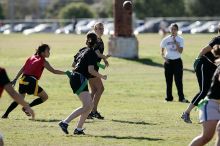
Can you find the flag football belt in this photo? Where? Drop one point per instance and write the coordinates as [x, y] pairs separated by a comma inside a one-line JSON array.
[[100, 65], [82, 87], [22, 82], [202, 102]]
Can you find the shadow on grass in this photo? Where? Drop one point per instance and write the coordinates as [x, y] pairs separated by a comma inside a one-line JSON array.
[[147, 61], [53, 120], [47, 120], [131, 122], [129, 137], [118, 137]]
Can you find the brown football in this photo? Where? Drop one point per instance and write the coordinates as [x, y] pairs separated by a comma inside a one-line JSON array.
[[127, 5]]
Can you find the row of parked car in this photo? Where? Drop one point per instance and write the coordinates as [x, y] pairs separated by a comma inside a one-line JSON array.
[[193, 27], [84, 25]]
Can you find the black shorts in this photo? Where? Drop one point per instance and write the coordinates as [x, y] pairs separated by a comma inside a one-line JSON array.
[[78, 83], [29, 85]]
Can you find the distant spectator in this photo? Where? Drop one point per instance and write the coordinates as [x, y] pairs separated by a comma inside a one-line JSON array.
[[171, 49]]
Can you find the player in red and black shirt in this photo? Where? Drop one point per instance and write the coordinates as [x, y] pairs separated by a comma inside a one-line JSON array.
[[83, 65], [31, 73]]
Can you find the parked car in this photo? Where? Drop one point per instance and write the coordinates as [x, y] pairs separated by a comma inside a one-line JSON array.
[[109, 28], [214, 28], [66, 29], [86, 28], [203, 28], [22, 26], [187, 29], [45, 28], [5, 27], [182, 24], [149, 26], [80, 24]]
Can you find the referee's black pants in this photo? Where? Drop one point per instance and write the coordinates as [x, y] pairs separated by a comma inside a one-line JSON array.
[[204, 72], [174, 68]]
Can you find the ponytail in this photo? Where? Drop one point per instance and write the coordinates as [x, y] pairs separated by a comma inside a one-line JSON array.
[[41, 49]]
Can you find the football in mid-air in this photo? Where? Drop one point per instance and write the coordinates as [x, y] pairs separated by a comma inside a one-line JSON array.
[[127, 5]]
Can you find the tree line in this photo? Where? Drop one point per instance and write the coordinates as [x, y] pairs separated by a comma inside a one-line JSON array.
[[68, 9]]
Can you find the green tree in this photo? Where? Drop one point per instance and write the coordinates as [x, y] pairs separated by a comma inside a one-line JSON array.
[[19, 9], [54, 7], [103, 9], [203, 7], [159, 8], [1, 12], [73, 10]]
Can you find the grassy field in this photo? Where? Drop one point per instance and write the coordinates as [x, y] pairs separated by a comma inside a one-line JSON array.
[[133, 101]]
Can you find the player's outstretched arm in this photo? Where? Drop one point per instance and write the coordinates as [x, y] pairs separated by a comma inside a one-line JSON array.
[[51, 69], [93, 72], [17, 76], [100, 55], [204, 50]]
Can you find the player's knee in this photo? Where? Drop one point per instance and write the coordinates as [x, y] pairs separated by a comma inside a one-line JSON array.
[[44, 97], [88, 106]]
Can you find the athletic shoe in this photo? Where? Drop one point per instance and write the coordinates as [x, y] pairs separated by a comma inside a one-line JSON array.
[[64, 127], [169, 99], [186, 118], [90, 116], [28, 114], [78, 132], [97, 115], [184, 100], [4, 116]]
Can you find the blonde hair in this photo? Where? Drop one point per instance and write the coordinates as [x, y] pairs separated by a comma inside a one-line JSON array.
[[97, 24]]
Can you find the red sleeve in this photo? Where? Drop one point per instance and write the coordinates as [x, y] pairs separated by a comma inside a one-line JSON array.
[[4, 80]]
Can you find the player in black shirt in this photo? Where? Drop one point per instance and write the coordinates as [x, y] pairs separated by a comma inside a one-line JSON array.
[[97, 87], [204, 67], [83, 64], [5, 84], [209, 112]]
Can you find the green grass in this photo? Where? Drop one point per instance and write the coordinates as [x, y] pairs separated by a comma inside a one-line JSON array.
[[133, 101]]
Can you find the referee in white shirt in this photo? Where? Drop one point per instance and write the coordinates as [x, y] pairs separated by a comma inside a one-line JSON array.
[[171, 49]]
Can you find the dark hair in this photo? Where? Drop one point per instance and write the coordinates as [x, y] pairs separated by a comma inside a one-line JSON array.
[[174, 25], [41, 49], [91, 39], [216, 50]]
